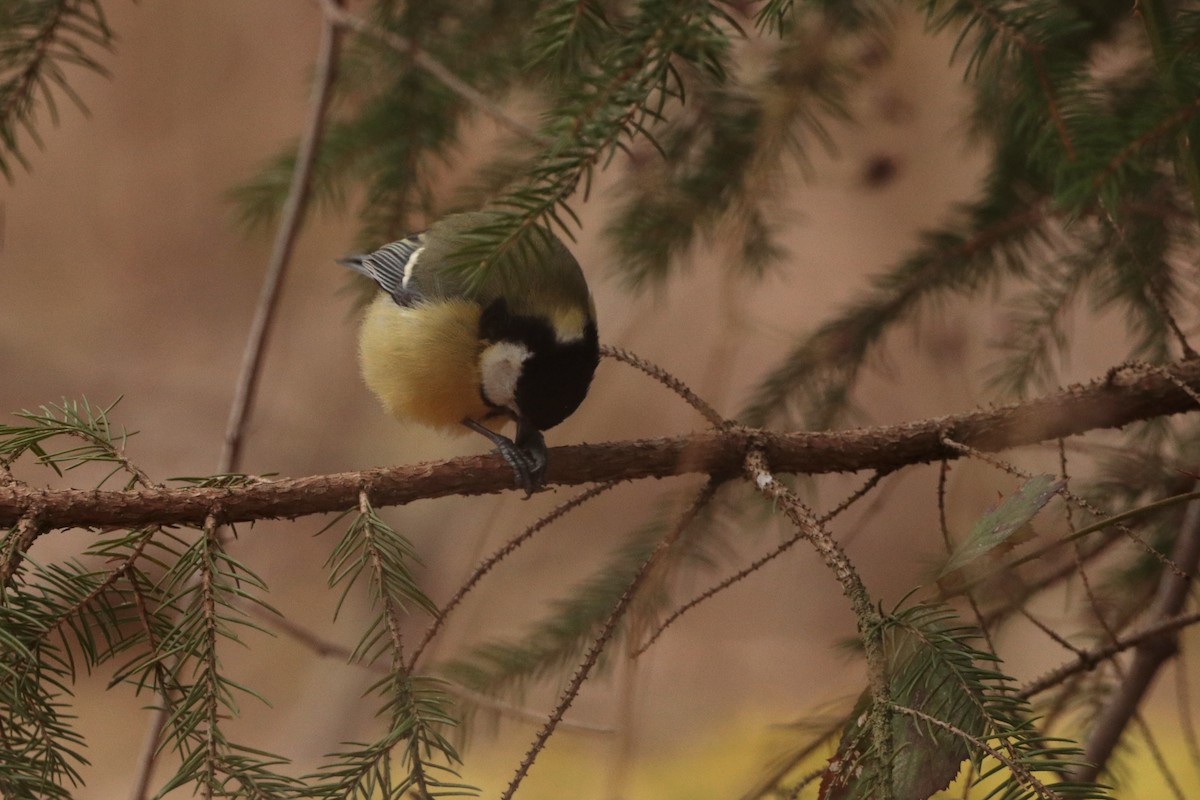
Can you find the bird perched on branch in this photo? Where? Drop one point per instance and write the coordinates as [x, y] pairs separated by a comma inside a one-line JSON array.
[[455, 350]]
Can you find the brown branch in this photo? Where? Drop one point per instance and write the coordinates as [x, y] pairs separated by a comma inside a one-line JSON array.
[[1150, 655], [1107, 403], [1089, 659], [866, 616]]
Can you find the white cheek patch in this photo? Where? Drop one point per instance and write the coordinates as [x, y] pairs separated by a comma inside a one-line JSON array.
[[500, 366]]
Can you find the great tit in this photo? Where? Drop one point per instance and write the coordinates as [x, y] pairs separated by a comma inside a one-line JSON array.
[[519, 343]]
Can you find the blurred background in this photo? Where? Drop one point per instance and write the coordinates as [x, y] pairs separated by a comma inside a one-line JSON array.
[[125, 275]]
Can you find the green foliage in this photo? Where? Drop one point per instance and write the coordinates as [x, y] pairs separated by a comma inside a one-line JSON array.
[[999, 525], [40, 750], [1088, 114], [417, 710], [158, 606], [40, 41], [950, 703], [1091, 193], [158, 611], [76, 421]]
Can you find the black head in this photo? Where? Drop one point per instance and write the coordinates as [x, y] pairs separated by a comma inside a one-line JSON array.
[[555, 377]]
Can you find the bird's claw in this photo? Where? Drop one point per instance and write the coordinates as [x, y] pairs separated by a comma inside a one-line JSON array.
[[528, 467], [526, 456]]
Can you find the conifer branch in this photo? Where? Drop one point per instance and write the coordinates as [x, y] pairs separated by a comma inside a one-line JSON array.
[[1034, 51], [1105, 403], [45, 36], [342, 18], [1155, 20]]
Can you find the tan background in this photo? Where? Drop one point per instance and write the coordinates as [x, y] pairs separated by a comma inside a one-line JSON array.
[[123, 273]]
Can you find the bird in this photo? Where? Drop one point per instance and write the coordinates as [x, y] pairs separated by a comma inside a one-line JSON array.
[[455, 352]]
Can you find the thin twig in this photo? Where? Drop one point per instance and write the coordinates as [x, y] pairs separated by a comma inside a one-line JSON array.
[[336, 15], [207, 601], [670, 381], [866, 615], [606, 633], [292, 217], [491, 561], [758, 563], [1090, 658], [1076, 551], [947, 542]]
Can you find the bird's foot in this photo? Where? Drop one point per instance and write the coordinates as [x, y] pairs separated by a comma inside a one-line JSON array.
[[527, 456]]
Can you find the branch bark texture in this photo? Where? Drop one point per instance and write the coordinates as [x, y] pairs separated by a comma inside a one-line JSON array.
[[1124, 396]]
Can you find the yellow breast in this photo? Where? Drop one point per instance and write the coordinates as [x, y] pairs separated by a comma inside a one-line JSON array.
[[422, 362]]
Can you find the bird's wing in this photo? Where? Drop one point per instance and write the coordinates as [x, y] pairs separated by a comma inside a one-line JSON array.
[[391, 266]]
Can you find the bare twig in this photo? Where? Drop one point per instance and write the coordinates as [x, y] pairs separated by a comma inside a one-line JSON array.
[[486, 565], [1090, 658], [605, 635], [294, 209], [670, 381], [757, 563], [866, 615]]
